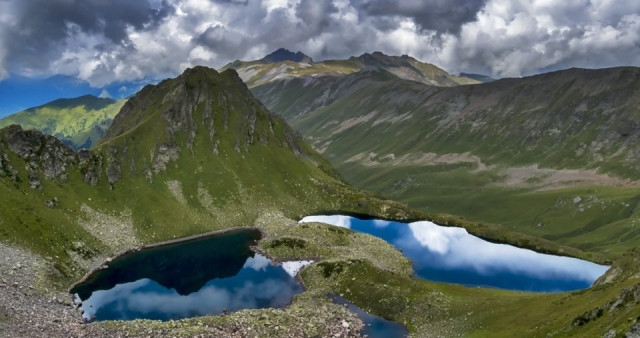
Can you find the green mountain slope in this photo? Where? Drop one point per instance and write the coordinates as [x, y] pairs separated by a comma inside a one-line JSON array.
[[189, 155], [555, 155], [78, 122], [281, 65], [199, 153]]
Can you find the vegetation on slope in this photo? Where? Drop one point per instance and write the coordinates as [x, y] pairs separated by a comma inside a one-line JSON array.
[[79, 122], [515, 151], [190, 155], [199, 153]]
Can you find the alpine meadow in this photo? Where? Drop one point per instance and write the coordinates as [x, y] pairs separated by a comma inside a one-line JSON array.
[[303, 168]]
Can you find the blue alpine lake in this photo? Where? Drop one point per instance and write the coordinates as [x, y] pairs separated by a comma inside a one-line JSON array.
[[452, 255], [204, 276], [374, 326]]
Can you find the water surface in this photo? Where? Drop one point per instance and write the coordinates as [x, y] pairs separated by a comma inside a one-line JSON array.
[[452, 255], [204, 276], [374, 326]]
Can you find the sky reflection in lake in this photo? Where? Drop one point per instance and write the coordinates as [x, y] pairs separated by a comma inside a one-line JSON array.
[[259, 284], [452, 255], [191, 278]]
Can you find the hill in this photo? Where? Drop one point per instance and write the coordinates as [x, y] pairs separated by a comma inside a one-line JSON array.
[[78, 122]]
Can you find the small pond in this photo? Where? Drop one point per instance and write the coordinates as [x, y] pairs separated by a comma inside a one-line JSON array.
[[452, 255], [203, 276], [374, 326]]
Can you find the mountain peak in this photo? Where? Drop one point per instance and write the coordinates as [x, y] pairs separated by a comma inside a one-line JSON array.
[[283, 54], [90, 101], [201, 112], [378, 58]]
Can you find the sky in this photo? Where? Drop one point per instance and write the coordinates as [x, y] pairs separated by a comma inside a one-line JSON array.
[[122, 43]]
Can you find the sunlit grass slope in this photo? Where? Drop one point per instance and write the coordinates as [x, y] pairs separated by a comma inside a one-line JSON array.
[[79, 122]]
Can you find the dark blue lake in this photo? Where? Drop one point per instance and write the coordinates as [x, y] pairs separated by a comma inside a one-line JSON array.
[[203, 276], [374, 326], [452, 255]]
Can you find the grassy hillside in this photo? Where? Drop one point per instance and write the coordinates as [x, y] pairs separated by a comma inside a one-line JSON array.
[[78, 122], [190, 155], [517, 152], [198, 153]]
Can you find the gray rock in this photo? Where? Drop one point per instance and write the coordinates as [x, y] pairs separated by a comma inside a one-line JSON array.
[[91, 168], [113, 167], [164, 154], [44, 154], [634, 331], [51, 203], [610, 334]]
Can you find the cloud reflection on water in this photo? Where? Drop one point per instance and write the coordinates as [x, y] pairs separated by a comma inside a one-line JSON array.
[[451, 254], [258, 285]]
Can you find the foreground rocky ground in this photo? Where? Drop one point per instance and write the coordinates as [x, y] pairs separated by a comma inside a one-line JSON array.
[[29, 309]]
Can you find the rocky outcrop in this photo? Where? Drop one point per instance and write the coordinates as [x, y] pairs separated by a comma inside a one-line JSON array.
[[163, 155], [90, 166], [6, 169], [113, 167], [283, 54], [627, 297], [44, 155]]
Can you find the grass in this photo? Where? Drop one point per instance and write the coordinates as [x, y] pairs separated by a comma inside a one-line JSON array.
[[266, 184], [604, 221], [556, 120], [228, 189], [356, 270], [79, 122]]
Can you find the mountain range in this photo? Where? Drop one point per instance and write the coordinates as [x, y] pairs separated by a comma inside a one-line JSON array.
[[283, 64], [532, 145], [204, 152]]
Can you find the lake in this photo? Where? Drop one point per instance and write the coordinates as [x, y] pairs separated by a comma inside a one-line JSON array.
[[374, 326], [452, 255], [204, 276]]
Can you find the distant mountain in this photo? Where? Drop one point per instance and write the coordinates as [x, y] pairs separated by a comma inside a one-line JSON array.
[[259, 72], [531, 145], [478, 77], [286, 55], [78, 122], [408, 68]]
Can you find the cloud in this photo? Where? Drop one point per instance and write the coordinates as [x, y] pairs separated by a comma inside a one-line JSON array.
[[257, 263], [259, 284], [337, 220], [431, 15], [514, 38], [105, 42]]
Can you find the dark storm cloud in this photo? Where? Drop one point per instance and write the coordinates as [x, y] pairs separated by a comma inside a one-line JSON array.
[[224, 42], [315, 14], [103, 41], [41, 26], [437, 15]]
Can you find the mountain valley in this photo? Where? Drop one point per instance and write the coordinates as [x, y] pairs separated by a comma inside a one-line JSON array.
[[199, 153], [553, 155]]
